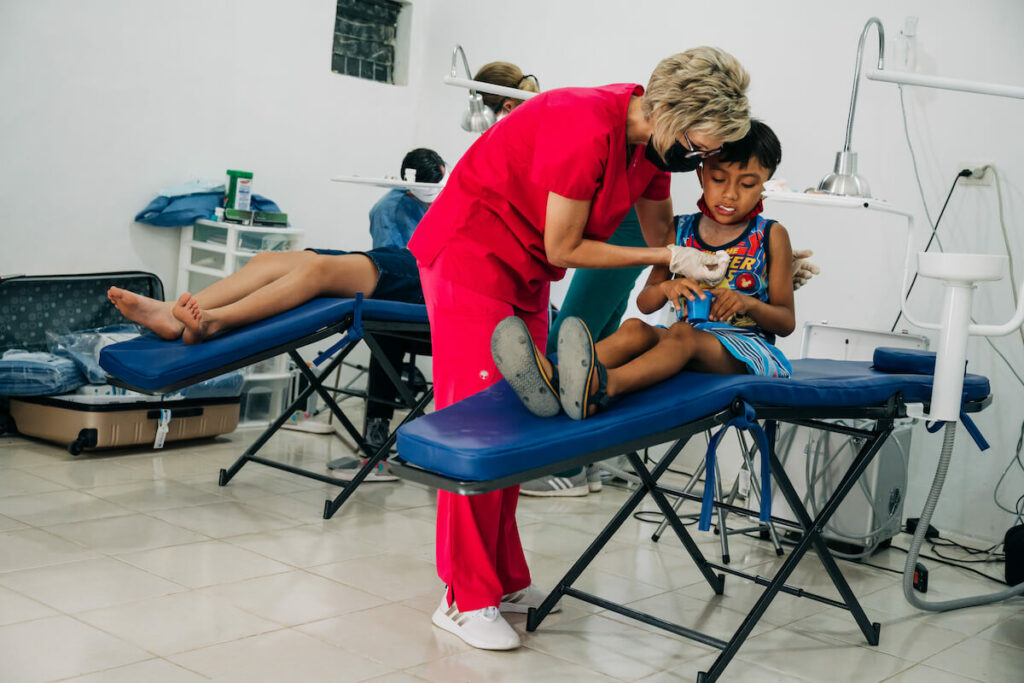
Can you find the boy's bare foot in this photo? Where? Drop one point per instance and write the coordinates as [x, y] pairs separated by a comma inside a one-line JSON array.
[[152, 314], [187, 310]]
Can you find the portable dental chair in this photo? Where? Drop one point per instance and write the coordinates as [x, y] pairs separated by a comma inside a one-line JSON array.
[[490, 441], [150, 364]]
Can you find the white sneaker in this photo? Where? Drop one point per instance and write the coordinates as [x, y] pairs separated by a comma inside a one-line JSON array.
[[482, 628], [520, 602], [554, 486]]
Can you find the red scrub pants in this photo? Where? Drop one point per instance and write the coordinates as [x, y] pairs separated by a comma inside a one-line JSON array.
[[479, 556]]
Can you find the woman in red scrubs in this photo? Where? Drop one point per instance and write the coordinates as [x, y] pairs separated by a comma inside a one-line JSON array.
[[539, 192]]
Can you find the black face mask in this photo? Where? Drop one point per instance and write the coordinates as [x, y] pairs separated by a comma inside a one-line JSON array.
[[675, 160]]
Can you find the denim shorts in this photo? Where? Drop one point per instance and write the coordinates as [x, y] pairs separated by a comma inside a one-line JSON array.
[[398, 276]]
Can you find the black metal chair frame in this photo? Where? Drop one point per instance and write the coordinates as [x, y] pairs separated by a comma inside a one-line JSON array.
[[360, 330], [810, 529]]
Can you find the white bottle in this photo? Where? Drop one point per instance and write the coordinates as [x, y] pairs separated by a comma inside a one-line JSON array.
[[243, 193]]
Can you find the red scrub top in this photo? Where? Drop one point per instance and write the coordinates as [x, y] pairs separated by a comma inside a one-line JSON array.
[[486, 228]]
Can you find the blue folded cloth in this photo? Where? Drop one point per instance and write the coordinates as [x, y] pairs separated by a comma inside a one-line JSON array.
[[187, 209], [34, 373]]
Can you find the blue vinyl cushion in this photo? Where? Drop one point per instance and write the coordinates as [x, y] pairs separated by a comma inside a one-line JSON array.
[[491, 435], [909, 361], [150, 363]]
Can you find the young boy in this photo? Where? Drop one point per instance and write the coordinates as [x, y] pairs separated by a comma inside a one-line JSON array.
[[751, 305]]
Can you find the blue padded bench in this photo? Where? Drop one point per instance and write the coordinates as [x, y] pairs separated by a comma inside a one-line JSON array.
[[490, 441], [506, 440], [150, 364]]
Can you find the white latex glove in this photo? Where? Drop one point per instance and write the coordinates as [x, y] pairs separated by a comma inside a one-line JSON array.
[[803, 270], [707, 269]]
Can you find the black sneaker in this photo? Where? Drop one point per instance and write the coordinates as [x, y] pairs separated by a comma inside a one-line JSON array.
[[377, 431]]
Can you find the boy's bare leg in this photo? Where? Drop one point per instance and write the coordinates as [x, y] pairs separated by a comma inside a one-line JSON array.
[[261, 270], [633, 338], [341, 275], [680, 347]]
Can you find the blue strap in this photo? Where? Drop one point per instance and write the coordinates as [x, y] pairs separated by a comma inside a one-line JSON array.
[[354, 333], [747, 421], [969, 425], [973, 430]]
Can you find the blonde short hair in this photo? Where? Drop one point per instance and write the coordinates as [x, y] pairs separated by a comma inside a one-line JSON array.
[[701, 89], [509, 76]]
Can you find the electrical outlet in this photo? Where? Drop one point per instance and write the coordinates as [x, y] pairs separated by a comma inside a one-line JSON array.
[[980, 176]]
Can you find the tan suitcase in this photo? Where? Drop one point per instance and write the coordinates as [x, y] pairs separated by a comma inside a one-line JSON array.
[[88, 422]]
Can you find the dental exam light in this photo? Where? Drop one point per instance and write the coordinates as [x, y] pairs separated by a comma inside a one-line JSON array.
[[843, 180], [478, 116]]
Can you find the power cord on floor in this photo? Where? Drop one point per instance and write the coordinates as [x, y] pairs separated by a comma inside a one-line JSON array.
[[656, 517]]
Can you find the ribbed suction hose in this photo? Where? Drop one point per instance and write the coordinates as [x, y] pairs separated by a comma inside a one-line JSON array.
[[918, 540]]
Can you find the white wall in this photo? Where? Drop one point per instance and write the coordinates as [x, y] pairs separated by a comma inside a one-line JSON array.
[[105, 102]]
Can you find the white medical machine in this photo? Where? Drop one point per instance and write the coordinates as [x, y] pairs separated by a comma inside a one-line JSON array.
[[959, 275]]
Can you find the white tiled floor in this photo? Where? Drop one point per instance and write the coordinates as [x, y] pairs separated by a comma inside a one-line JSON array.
[[137, 566]]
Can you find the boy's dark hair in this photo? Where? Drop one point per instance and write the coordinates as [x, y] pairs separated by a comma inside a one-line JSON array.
[[759, 143], [427, 163]]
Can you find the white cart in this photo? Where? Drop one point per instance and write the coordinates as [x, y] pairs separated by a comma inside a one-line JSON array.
[[211, 250]]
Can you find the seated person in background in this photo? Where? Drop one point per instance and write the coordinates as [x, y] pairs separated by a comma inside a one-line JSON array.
[[752, 304], [395, 215]]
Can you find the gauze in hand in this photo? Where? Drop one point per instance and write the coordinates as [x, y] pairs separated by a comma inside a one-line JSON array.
[[706, 268]]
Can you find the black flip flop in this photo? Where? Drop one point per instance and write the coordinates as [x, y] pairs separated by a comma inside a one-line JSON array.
[[519, 362], [576, 359]]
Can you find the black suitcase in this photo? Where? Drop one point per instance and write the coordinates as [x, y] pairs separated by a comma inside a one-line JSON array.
[[32, 306]]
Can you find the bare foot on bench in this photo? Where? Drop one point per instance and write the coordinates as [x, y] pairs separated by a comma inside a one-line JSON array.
[[187, 310], [150, 313]]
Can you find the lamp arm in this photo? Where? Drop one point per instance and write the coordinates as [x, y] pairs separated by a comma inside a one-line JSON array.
[[490, 88], [459, 51], [856, 72]]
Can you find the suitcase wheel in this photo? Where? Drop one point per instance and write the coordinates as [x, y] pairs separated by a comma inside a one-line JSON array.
[[87, 438]]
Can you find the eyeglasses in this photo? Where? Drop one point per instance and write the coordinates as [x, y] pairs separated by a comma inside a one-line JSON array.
[[694, 152]]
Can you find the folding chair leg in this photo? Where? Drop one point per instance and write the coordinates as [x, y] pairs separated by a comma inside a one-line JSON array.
[[723, 531], [313, 384], [648, 479], [755, 490], [811, 538], [716, 581], [537, 615], [694, 478], [332, 506], [813, 531]]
